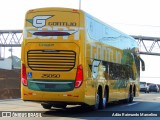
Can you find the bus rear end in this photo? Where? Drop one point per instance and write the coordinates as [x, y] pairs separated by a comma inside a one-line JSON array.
[[52, 69]]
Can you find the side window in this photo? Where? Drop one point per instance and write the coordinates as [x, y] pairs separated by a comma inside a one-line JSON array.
[[95, 65], [130, 72], [107, 70], [117, 71], [111, 71]]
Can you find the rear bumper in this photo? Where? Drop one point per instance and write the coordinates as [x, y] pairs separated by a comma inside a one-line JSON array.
[[75, 96], [58, 102]]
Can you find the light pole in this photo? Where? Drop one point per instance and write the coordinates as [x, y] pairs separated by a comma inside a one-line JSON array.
[[11, 50], [79, 4]]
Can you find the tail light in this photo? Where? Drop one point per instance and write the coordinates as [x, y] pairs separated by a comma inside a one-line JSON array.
[[79, 76], [23, 75]]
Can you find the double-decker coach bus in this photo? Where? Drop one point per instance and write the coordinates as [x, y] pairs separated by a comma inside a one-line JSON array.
[[71, 58]]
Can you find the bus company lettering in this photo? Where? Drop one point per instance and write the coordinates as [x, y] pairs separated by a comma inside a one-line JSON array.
[[40, 21], [62, 24], [104, 53], [28, 35]]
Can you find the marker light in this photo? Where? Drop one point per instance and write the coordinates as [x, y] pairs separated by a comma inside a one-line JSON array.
[[23, 75], [79, 76]]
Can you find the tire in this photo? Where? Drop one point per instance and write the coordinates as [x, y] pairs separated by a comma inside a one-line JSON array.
[[130, 97], [103, 101], [46, 106], [97, 102]]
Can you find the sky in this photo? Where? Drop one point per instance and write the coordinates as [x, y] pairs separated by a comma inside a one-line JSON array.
[[133, 17]]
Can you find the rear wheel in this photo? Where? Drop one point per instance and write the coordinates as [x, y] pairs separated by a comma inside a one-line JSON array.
[[46, 106], [103, 101], [130, 97], [97, 102], [145, 91]]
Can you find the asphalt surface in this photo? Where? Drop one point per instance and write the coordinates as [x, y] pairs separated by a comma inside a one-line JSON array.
[[144, 107]]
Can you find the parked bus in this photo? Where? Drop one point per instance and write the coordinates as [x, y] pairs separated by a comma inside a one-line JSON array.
[[71, 58]]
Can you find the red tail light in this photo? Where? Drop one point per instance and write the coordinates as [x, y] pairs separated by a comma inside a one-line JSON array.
[[23, 75], [79, 76]]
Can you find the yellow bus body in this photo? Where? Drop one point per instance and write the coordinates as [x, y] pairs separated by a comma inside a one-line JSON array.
[[59, 41]]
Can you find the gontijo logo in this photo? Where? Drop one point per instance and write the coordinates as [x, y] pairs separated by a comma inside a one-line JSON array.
[[39, 21], [40, 29]]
